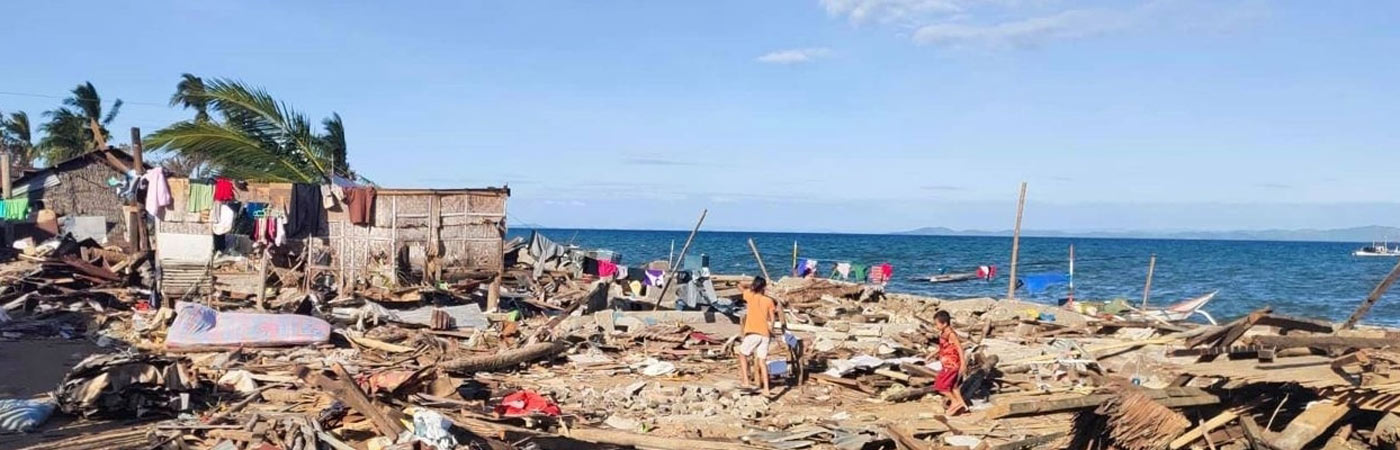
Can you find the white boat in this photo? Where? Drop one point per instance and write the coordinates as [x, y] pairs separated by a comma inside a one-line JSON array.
[[1377, 249], [1183, 310]]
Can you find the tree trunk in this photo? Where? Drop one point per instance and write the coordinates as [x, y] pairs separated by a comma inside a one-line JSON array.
[[506, 359]]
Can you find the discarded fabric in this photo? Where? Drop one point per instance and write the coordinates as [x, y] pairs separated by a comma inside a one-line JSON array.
[[526, 403], [23, 416]]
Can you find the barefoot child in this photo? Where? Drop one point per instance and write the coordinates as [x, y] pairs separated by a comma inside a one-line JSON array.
[[762, 310], [949, 354]]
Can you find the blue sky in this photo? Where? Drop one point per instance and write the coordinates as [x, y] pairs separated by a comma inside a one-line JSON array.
[[811, 115]]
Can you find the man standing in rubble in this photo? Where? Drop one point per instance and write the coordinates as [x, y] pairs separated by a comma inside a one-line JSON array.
[[950, 357], [757, 330]]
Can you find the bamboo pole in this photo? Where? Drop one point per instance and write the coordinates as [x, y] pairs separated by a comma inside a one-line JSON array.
[[1016, 243], [1147, 288], [671, 277], [1373, 298]]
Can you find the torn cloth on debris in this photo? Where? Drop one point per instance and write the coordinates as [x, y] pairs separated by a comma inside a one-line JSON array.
[[526, 403], [157, 192], [547, 254], [197, 325], [23, 416]]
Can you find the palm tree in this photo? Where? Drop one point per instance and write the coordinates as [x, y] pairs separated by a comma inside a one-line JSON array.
[[78, 126], [334, 141], [16, 136], [258, 138], [189, 93]]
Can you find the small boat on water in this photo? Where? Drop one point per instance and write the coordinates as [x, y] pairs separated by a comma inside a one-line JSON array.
[[950, 277], [982, 273], [1179, 312], [1377, 249]]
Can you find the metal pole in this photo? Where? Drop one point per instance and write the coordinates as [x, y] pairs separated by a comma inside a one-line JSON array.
[[794, 255], [1016, 244], [670, 278], [1147, 289]]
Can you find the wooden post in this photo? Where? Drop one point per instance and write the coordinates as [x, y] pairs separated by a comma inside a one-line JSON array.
[[1147, 288], [1071, 273], [794, 255], [5, 184], [262, 281], [1371, 300], [493, 291], [142, 235], [671, 277], [1016, 244]]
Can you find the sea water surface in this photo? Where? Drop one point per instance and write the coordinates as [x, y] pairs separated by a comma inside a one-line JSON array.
[[1307, 279]]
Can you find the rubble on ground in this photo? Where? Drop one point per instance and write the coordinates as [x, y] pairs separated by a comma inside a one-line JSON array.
[[573, 359]]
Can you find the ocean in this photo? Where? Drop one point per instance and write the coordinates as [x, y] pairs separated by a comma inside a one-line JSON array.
[[1306, 279]]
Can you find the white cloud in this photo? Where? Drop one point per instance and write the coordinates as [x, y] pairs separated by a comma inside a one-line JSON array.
[[794, 56], [1028, 23], [891, 10], [1027, 32]]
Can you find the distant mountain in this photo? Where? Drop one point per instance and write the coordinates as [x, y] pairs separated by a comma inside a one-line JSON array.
[[1355, 234]]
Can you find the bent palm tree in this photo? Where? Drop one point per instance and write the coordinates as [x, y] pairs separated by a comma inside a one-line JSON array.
[[16, 136], [189, 93], [259, 138], [78, 126]]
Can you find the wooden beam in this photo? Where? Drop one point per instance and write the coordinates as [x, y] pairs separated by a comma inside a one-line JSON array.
[[680, 259], [1287, 323], [1215, 422], [1324, 342], [1030, 442], [1176, 397], [387, 422], [1309, 425], [1371, 299], [1147, 288], [1016, 244]]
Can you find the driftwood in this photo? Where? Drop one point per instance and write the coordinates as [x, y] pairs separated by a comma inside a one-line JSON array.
[[1280, 342], [506, 359]]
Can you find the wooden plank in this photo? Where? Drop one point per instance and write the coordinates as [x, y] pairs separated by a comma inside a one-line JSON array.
[[1287, 323], [387, 422], [1253, 433], [1324, 342], [1237, 331], [1030, 442], [1201, 430], [1220, 332], [1173, 397], [1309, 425]]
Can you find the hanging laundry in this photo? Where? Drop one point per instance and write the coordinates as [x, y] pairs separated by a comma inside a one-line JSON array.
[[361, 204], [223, 218], [17, 208], [858, 272], [637, 274], [201, 197], [306, 216], [606, 269], [621, 272], [799, 268], [986, 272], [281, 229], [881, 273], [843, 271], [590, 266], [327, 200], [807, 267], [656, 277], [254, 209], [223, 190], [157, 192], [179, 198]]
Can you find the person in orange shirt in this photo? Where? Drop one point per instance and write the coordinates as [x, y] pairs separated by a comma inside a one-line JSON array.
[[757, 330], [950, 356]]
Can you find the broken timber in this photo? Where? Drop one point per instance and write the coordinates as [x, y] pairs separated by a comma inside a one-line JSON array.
[[1172, 397], [1281, 342]]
